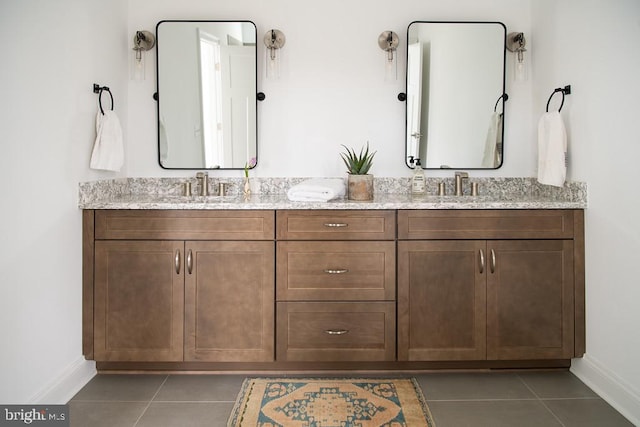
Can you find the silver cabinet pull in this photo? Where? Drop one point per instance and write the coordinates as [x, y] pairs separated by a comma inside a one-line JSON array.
[[335, 224], [481, 261], [493, 261], [336, 331], [336, 270], [177, 261], [189, 261]]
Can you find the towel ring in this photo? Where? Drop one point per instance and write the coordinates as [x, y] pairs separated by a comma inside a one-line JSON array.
[[100, 99], [564, 91], [98, 89], [504, 98]]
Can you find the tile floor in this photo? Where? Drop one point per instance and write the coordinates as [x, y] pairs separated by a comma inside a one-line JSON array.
[[455, 399]]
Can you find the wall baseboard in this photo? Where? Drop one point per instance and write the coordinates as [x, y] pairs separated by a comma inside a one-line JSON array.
[[615, 391], [71, 380]]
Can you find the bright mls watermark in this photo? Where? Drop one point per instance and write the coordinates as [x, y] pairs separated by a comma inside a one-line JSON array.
[[34, 415]]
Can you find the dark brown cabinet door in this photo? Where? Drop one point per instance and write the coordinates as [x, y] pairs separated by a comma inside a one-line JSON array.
[[139, 300], [530, 300], [441, 300], [229, 301]]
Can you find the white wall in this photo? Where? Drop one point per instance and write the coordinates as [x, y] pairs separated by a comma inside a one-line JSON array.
[[51, 53], [592, 46], [332, 89]]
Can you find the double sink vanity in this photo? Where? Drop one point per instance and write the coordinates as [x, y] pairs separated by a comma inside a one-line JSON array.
[[173, 282], [493, 281]]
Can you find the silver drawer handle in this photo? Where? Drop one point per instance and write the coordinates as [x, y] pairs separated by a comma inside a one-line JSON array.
[[336, 271], [336, 331], [177, 262], [335, 224]]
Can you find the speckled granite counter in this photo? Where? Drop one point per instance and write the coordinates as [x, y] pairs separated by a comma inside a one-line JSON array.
[[270, 193]]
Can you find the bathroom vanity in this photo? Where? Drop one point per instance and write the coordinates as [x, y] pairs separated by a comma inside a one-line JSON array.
[[398, 283]]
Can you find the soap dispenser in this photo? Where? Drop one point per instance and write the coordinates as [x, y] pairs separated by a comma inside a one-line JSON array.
[[418, 181]]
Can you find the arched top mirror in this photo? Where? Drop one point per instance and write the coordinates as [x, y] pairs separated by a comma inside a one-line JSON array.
[[455, 87], [207, 112]]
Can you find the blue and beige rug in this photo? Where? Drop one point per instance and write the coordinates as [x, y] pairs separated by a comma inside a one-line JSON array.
[[330, 402]]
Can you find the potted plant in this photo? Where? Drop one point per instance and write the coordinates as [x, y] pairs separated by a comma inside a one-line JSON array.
[[359, 181]]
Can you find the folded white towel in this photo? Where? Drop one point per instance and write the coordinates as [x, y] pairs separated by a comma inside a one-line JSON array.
[[552, 150], [317, 190], [491, 155], [108, 149]]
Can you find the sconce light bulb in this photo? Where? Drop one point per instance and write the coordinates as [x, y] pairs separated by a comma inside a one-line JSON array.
[[390, 68], [138, 67], [520, 66], [390, 55]]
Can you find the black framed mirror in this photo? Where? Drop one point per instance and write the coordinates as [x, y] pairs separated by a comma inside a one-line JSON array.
[[455, 94], [206, 93]]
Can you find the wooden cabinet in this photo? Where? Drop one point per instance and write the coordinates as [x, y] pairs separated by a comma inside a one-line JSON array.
[[139, 301], [530, 299], [441, 301], [336, 331], [183, 300], [503, 299], [210, 289], [336, 286], [229, 301]]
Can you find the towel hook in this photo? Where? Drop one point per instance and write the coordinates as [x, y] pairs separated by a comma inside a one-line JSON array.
[[564, 91], [98, 89], [504, 98]]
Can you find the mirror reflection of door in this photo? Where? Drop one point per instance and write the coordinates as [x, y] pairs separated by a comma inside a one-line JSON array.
[[414, 100], [211, 100]]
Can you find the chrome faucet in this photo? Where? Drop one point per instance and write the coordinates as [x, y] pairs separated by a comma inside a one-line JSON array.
[[459, 177], [203, 183]]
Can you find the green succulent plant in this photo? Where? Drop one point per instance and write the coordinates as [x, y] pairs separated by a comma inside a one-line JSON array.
[[357, 164]]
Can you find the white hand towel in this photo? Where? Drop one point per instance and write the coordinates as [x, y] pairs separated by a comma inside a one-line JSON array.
[[491, 156], [317, 190], [108, 149], [552, 150]]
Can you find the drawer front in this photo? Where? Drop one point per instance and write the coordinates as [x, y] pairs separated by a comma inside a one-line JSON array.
[[185, 225], [335, 271], [485, 224], [336, 225], [320, 331]]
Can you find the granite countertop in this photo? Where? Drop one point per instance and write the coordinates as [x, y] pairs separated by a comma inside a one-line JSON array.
[[505, 194]]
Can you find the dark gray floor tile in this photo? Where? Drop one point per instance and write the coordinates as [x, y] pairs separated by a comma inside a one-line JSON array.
[[556, 385], [105, 414], [186, 414], [129, 388], [586, 413], [462, 386], [218, 388], [494, 413]]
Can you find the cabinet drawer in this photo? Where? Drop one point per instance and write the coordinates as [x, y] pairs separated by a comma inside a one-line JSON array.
[[336, 225], [321, 331], [184, 225], [335, 271], [485, 224]]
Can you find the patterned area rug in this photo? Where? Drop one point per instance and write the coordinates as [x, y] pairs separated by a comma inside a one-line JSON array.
[[330, 402]]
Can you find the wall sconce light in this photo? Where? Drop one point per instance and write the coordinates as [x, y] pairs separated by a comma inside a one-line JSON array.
[[516, 43], [273, 40], [142, 41], [388, 41]]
